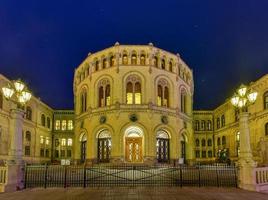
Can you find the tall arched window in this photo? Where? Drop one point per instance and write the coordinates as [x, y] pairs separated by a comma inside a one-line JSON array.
[[48, 122], [28, 136], [125, 59], [203, 142], [83, 149], [83, 99], [183, 101], [43, 120], [28, 113], [104, 63], [104, 146], [1, 101], [162, 93], [197, 143], [155, 61], [222, 121], [219, 141], [112, 61], [142, 59], [162, 146], [218, 123], [170, 66], [223, 140], [203, 125], [163, 64], [209, 142], [133, 90], [266, 129], [104, 93], [197, 125], [134, 59], [265, 100], [97, 65], [209, 128]]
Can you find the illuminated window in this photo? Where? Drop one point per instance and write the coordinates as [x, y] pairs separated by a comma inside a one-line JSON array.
[[163, 64], [57, 125], [47, 141], [41, 140], [209, 125], [112, 61], [104, 93], [142, 61], [125, 59], [265, 100], [69, 142], [70, 125], [63, 142], [203, 125], [162, 93], [133, 90], [134, 59], [104, 63], [237, 138], [63, 125], [197, 125]]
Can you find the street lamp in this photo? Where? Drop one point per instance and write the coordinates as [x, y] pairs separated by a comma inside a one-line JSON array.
[[22, 95], [242, 98]]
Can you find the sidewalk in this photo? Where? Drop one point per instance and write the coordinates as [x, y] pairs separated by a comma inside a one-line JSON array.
[[161, 193]]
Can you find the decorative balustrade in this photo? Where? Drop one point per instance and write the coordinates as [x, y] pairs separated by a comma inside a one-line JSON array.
[[261, 175], [3, 175]]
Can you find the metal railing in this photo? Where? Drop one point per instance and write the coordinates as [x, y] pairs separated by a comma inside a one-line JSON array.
[[125, 175]]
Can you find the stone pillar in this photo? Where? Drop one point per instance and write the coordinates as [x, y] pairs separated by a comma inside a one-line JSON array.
[[245, 161], [15, 162]]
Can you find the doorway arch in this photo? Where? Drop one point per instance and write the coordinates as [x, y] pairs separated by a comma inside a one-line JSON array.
[[162, 146], [83, 147], [104, 146]]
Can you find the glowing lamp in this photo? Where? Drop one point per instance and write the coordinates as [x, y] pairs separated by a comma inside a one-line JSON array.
[[235, 100], [242, 91], [242, 102], [26, 95], [8, 92], [19, 86], [252, 97]]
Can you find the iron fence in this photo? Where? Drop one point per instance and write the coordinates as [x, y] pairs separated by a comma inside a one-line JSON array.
[[98, 176]]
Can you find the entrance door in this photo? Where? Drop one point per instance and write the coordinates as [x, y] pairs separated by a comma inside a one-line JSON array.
[[104, 149], [83, 151], [134, 149]]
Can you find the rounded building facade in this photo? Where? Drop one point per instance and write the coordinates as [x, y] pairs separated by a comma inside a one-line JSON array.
[[133, 104]]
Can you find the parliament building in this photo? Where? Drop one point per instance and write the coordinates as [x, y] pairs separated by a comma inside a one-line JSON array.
[[134, 104]]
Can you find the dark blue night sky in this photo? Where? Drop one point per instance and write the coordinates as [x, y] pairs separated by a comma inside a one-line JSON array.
[[224, 42]]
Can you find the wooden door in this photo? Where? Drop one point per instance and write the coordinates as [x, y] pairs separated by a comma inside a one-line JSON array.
[[134, 149]]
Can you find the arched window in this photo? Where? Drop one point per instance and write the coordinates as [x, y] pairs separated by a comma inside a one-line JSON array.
[[155, 61], [266, 129], [223, 140], [222, 121], [48, 122], [162, 146], [97, 65], [112, 61], [134, 59], [163, 64], [218, 123], [104, 93], [125, 59], [209, 125], [28, 136], [83, 140], [1, 101], [43, 120], [28, 113], [203, 142], [183, 101], [170, 66], [133, 90], [197, 126], [219, 141], [162, 93], [104, 63], [209, 142], [104, 146], [197, 143], [203, 125], [142, 61], [265, 100], [83, 99]]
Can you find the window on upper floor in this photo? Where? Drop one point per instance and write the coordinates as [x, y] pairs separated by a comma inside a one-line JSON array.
[[197, 153], [222, 121], [48, 122], [104, 93], [63, 142], [47, 141], [43, 120], [266, 129], [155, 61], [133, 90], [210, 154], [134, 59], [142, 59], [197, 125], [97, 65], [1, 101], [104, 63], [265, 100], [223, 140], [28, 113], [69, 142], [236, 111], [70, 125], [183, 101], [209, 142], [197, 143], [209, 128], [162, 93], [203, 125], [125, 59], [83, 99], [27, 150], [203, 142], [63, 125], [57, 125], [163, 64], [41, 139], [219, 141], [170, 66], [28, 136], [218, 123], [112, 61]]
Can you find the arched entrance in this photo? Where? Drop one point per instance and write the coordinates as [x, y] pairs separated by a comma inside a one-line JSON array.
[[83, 147], [162, 146], [183, 148], [104, 146], [133, 144]]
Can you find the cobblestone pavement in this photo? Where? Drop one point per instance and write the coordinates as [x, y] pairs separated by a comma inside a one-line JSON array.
[[161, 193]]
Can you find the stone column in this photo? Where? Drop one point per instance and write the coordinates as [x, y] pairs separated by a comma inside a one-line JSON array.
[[15, 162], [245, 161]]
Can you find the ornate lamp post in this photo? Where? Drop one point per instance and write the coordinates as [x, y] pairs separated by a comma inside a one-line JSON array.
[[17, 93], [242, 99]]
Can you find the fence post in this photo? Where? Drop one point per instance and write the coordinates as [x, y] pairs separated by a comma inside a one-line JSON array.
[[181, 175], [199, 178], [65, 176], [235, 168], [85, 174], [218, 185], [46, 168], [25, 176]]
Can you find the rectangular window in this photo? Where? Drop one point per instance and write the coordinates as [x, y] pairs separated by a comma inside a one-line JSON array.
[[129, 98], [69, 153], [42, 153], [47, 141], [41, 140], [204, 154], [63, 125], [57, 125], [56, 153], [70, 125], [69, 142], [63, 142], [27, 151], [197, 154], [137, 98], [47, 153], [62, 153], [210, 154]]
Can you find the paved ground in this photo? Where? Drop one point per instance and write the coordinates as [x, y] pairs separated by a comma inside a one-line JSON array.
[[146, 193]]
